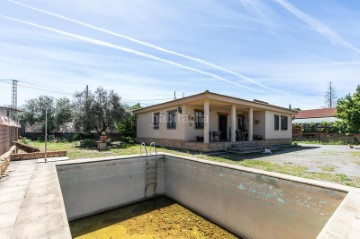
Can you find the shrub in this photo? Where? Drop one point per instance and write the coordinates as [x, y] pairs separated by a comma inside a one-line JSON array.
[[88, 143], [25, 140]]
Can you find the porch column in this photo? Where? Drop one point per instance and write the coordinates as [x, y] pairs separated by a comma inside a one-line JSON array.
[[251, 126], [206, 121], [233, 123]]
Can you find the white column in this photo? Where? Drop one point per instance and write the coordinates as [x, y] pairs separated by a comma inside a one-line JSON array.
[[251, 125], [233, 123], [206, 121]]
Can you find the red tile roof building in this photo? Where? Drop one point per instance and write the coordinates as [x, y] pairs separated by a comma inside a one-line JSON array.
[[316, 113]]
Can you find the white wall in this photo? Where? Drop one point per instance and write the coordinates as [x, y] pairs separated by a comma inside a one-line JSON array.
[[185, 125], [190, 131], [259, 128], [270, 132], [145, 127]]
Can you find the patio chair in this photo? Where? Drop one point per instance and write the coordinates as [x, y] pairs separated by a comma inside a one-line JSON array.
[[216, 136]]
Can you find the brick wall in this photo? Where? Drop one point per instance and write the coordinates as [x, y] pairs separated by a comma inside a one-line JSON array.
[[7, 138], [36, 155]]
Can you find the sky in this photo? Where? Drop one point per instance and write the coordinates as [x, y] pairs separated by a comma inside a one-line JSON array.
[[280, 51]]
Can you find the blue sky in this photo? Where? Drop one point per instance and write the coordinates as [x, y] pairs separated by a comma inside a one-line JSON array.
[[281, 51]]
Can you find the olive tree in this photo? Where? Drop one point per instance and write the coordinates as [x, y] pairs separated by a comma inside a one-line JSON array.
[[97, 111]]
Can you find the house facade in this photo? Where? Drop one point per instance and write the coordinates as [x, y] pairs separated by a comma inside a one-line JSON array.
[[210, 122]]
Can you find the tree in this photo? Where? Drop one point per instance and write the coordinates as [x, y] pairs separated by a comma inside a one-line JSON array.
[[59, 112], [63, 113], [127, 126], [330, 96], [99, 111], [348, 110]]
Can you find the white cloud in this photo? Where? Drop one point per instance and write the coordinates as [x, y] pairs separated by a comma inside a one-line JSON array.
[[318, 26]]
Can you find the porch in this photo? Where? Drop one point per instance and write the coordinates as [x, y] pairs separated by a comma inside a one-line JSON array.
[[215, 121]]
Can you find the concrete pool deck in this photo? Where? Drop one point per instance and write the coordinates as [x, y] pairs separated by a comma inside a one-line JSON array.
[[36, 206]]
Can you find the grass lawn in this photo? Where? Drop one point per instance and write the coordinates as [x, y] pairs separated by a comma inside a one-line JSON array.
[[75, 152], [247, 160], [334, 142]]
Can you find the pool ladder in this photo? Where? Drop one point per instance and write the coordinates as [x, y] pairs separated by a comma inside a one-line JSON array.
[[143, 145], [150, 171]]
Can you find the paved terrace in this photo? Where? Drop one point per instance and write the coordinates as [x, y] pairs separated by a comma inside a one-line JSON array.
[[31, 203], [32, 206]]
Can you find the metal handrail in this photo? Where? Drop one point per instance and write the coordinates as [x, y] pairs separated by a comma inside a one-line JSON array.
[[143, 144], [153, 143]]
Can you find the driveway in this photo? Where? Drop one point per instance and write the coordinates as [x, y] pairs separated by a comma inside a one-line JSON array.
[[337, 159]]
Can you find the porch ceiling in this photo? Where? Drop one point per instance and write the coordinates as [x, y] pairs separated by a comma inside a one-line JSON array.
[[220, 104]]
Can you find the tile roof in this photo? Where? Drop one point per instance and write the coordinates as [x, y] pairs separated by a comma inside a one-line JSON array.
[[257, 102], [316, 113]]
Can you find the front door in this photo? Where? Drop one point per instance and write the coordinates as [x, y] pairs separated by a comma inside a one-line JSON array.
[[223, 127]]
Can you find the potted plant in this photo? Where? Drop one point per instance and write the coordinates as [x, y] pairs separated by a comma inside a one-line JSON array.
[[103, 136]]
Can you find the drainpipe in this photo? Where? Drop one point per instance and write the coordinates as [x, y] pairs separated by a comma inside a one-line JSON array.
[[251, 124], [233, 123], [206, 121]]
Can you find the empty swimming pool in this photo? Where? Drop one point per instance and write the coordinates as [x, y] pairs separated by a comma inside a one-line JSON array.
[[247, 202]]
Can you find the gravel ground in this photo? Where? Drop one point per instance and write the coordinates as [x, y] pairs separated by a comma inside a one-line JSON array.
[[337, 159]]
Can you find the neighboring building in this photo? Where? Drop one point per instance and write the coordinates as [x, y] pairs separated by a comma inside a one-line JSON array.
[[210, 121], [8, 128], [316, 116], [9, 112]]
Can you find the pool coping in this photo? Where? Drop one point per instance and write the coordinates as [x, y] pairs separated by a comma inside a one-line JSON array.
[[348, 211]]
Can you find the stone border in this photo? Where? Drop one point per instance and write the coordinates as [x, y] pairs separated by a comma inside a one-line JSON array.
[[210, 147], [37, 155], [5, 160]]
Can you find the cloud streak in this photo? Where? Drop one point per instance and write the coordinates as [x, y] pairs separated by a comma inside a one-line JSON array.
[[143, 43], [127, 50], [321, 28]]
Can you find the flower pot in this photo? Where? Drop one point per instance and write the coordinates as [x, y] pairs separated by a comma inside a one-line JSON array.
[[103, 138]]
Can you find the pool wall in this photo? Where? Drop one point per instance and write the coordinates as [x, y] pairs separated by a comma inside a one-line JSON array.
[[249, 202], [94, 186]]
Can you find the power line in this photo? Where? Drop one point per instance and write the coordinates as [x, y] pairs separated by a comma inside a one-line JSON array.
[[46, 89], [38, 88]]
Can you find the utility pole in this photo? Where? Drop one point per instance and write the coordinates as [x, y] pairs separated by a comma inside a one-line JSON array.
[[46, 119], [14, 94], [13, 111]]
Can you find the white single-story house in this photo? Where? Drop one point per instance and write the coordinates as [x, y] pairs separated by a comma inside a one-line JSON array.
[[210, 121]]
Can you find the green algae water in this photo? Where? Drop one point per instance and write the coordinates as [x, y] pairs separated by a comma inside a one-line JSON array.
[[156, 218]]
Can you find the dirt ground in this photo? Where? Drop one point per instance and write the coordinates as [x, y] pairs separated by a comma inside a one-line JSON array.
[[159, 218], [335, 159]]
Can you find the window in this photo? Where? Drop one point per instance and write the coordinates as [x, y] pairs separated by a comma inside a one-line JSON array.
[[276, 122], [199, 119], [284, 122], [171, 119], [156, 121]]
